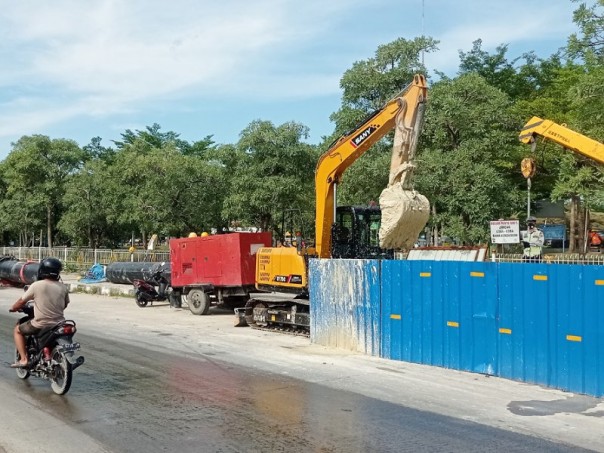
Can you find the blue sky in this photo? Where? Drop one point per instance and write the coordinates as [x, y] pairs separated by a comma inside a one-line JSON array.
[[79, 69]]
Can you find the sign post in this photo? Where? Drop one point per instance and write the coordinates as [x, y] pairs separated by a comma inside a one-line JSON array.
[[505, 231], [528, 167]]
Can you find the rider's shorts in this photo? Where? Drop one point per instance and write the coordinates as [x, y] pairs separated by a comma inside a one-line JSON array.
[[27, 329]]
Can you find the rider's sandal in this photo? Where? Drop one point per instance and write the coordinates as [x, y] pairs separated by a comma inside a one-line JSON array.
[[19, 365]]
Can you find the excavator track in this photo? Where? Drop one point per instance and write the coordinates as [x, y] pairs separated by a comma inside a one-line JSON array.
[[280, 329], [289, 316]]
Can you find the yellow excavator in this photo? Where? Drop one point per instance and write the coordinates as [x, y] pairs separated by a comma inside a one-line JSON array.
[[346, 231], [562, 135]]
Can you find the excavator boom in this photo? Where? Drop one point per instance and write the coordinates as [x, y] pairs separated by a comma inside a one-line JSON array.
[[346, 150], [344, 231]]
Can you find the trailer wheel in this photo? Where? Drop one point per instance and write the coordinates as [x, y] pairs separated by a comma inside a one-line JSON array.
[[198, 301]]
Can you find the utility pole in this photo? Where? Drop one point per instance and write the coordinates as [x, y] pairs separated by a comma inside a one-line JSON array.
[[423, 31], [528, 167]]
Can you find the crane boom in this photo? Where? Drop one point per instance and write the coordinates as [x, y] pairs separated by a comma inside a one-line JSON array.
[[562, 135]]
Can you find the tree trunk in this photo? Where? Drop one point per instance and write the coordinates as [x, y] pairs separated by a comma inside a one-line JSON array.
[[571, 226], [434, 239], [584, 228], [49, 225], [574, 244], [265, 221]]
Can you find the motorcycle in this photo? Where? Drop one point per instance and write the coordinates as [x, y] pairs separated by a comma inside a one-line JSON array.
[[51, 353], [145, 292]]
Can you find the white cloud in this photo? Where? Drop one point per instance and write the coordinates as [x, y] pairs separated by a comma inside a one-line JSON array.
[[67, 60], [97, 57], [35, 118], [134, 52], [136, 49]]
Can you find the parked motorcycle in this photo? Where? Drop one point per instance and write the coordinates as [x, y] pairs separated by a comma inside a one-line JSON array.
[[145, 291], [51, 353]]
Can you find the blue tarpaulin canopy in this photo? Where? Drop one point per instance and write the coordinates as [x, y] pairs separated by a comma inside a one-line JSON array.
[[96, 274]]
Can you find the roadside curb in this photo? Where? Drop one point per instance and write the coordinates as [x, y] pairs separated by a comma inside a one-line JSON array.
[[101, 290]]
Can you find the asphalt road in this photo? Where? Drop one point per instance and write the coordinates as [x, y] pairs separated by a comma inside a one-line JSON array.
[[159, 380]]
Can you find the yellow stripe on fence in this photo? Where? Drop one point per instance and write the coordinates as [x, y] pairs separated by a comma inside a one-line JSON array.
[[425, 274], [452, 323], [395, 316], [574, 338], [506, 331]]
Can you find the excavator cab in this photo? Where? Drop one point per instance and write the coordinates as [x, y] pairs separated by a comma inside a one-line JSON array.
[[355, 233]]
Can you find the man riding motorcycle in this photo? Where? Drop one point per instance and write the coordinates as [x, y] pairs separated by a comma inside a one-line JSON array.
[[50, 298]]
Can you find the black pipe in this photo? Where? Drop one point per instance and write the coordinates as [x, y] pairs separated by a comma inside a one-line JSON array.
[[18, 272], [127, 272]]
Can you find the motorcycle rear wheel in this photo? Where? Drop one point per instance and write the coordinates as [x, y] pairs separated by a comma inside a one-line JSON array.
[[140, 300], [61, 374], [22, 373]]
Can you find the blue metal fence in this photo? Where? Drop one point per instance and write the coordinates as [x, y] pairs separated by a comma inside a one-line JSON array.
[[440, 313], [536, 323], [346, 304]]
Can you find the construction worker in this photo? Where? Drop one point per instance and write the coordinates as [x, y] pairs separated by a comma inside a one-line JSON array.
[[595, 240], [533, 240]]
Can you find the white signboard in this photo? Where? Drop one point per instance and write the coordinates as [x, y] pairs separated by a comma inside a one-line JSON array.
[[505, 232]]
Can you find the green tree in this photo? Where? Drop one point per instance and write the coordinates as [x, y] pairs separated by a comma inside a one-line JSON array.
[[21, 212], [274, 171], [588, 45], [152, 137], [468, 164], [367, 86], [161, 190], [86, 217], [586, 98], [94, 150], [35, 173], [520, 78], [200, 148], [181, 193]]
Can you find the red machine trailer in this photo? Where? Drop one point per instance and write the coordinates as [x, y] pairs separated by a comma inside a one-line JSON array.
[[215, 270]]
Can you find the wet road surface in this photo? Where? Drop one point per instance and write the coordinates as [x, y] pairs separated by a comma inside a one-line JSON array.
[[132, 399]]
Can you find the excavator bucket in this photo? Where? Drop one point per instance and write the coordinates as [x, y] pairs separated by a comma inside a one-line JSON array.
[[404, 216], [405, 212]]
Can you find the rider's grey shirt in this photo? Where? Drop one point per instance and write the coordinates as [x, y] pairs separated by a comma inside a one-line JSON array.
[[50, 299]]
